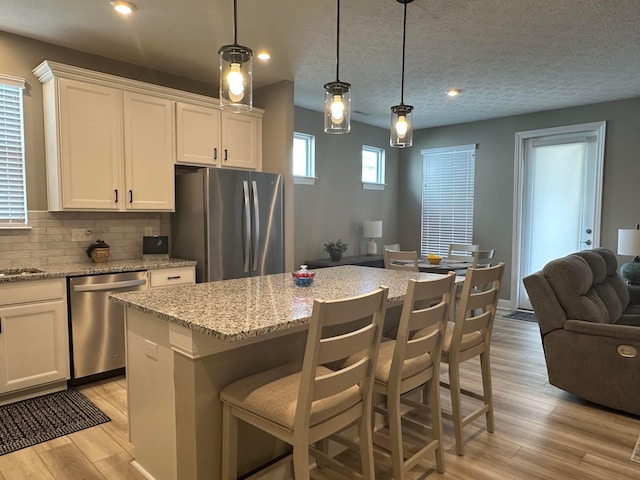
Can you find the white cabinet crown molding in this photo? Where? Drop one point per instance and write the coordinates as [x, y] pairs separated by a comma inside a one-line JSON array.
[[48, 70]]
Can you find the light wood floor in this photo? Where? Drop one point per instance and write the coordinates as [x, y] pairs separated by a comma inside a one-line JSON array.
[[540, 432]]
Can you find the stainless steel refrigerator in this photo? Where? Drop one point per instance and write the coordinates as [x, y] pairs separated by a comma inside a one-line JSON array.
[[230, 222]]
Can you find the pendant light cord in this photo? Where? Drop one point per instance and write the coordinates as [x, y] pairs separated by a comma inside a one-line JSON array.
[[404, 38], [235, 22], [338, 42]]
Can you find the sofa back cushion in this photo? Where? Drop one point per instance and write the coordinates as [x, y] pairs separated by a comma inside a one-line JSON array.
[[572, 280], [613, 278]]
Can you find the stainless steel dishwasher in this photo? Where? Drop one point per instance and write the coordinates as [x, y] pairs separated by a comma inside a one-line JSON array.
[[97, 324]]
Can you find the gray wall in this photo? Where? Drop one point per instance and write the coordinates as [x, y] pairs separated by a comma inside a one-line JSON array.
[[493, 217], [336, 205]]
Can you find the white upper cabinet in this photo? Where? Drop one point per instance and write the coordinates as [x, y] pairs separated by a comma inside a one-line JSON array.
[[205, 135], [108, 147], [197, 134], [84, 145], [148, 152], [112, 143], [241, 141]]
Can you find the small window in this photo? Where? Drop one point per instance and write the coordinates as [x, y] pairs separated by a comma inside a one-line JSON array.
[[13, 194], [304, 158], [372, 168]]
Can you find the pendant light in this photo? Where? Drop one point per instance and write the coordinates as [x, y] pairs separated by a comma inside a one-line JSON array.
[[401, 126], [337, 95], [236, 64]]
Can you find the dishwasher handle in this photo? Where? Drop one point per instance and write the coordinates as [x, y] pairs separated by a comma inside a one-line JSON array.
[[98, 287]]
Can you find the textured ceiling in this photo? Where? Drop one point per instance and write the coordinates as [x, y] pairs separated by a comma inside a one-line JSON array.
[[507, 56]]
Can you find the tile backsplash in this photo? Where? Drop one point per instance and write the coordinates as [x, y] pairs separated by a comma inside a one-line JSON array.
[[49, 240]]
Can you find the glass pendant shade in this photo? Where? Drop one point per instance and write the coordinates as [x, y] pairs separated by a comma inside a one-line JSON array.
[[401, 126], [401, 133], [236, 89], [337, 107]]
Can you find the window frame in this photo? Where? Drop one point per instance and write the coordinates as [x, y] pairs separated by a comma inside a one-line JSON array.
[[379, 184], [457, 189], [310, 160], [12, 157]]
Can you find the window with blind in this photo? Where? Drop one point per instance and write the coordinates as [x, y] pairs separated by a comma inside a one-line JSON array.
[[447, 197], [13, 197]]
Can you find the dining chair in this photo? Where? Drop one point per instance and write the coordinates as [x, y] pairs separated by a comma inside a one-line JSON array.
[[303, 406], [392, 246], [401, 260], [470, 336], [462, 252], [484, 258], [412, 362]]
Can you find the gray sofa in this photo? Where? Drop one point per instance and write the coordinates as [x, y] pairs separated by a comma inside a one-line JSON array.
[[589, 321]]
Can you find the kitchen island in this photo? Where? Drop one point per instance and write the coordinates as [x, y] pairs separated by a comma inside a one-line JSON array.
[[185, 344]]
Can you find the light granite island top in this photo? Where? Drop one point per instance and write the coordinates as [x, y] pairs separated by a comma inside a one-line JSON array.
[[233, 310], [186, 343]]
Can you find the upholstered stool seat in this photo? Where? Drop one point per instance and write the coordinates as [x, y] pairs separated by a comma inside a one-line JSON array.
[[273, 395]]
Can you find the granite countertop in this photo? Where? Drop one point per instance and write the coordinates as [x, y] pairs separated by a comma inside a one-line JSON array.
[[233, 310], [77, 269]]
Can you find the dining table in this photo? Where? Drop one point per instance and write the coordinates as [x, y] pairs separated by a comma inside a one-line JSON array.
[[444, 266]]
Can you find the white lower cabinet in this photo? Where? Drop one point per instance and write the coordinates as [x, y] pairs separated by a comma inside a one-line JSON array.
[[34, 340], [168, 277]]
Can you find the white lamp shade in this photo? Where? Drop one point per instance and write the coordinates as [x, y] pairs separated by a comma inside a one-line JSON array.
[[372, 229], [628, 241]]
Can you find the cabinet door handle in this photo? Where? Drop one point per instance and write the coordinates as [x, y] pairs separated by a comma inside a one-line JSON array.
[[175, 277], [225, 154], [215, 153], [116, 191], [130, 196]]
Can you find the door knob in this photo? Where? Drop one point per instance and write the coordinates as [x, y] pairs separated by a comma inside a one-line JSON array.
[[588, 242], [588, 230]]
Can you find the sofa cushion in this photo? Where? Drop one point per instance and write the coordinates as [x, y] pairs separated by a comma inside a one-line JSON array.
[[615, 280], [602, 283], [572, 280]]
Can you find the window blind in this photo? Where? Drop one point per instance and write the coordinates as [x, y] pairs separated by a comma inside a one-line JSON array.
[[13, 202], [447, 198]]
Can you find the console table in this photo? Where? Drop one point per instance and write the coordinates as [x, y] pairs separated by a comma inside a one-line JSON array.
[[362, 260]]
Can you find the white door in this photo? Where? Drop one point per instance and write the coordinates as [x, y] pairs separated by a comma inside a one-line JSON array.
[[559, 189]]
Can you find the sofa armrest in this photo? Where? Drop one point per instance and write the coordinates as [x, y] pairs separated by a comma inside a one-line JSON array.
[[626, 333]]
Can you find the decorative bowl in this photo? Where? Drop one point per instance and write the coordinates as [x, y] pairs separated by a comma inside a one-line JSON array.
[[303, 277], [434, 259]]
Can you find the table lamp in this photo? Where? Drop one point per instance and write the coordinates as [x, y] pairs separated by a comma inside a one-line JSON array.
[[629, 244], [372, 229]]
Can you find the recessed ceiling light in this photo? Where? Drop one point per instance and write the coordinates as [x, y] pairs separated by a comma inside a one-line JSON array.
[[264, 56], [123, 7], [453, 92]]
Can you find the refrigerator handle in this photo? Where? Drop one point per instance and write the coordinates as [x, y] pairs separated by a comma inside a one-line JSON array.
[[247, 225], [256, 223]]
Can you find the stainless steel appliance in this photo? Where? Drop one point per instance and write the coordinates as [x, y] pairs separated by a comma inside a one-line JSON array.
[[230, 222], [97, 324]]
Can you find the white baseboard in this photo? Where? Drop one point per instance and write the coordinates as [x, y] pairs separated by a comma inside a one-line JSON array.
[[138, 468]]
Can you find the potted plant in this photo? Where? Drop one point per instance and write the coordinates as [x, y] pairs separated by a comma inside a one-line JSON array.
[[98, 251], [335, 249]]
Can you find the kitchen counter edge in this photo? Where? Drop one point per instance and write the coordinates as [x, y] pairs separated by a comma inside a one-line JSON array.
[[80, 269]]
